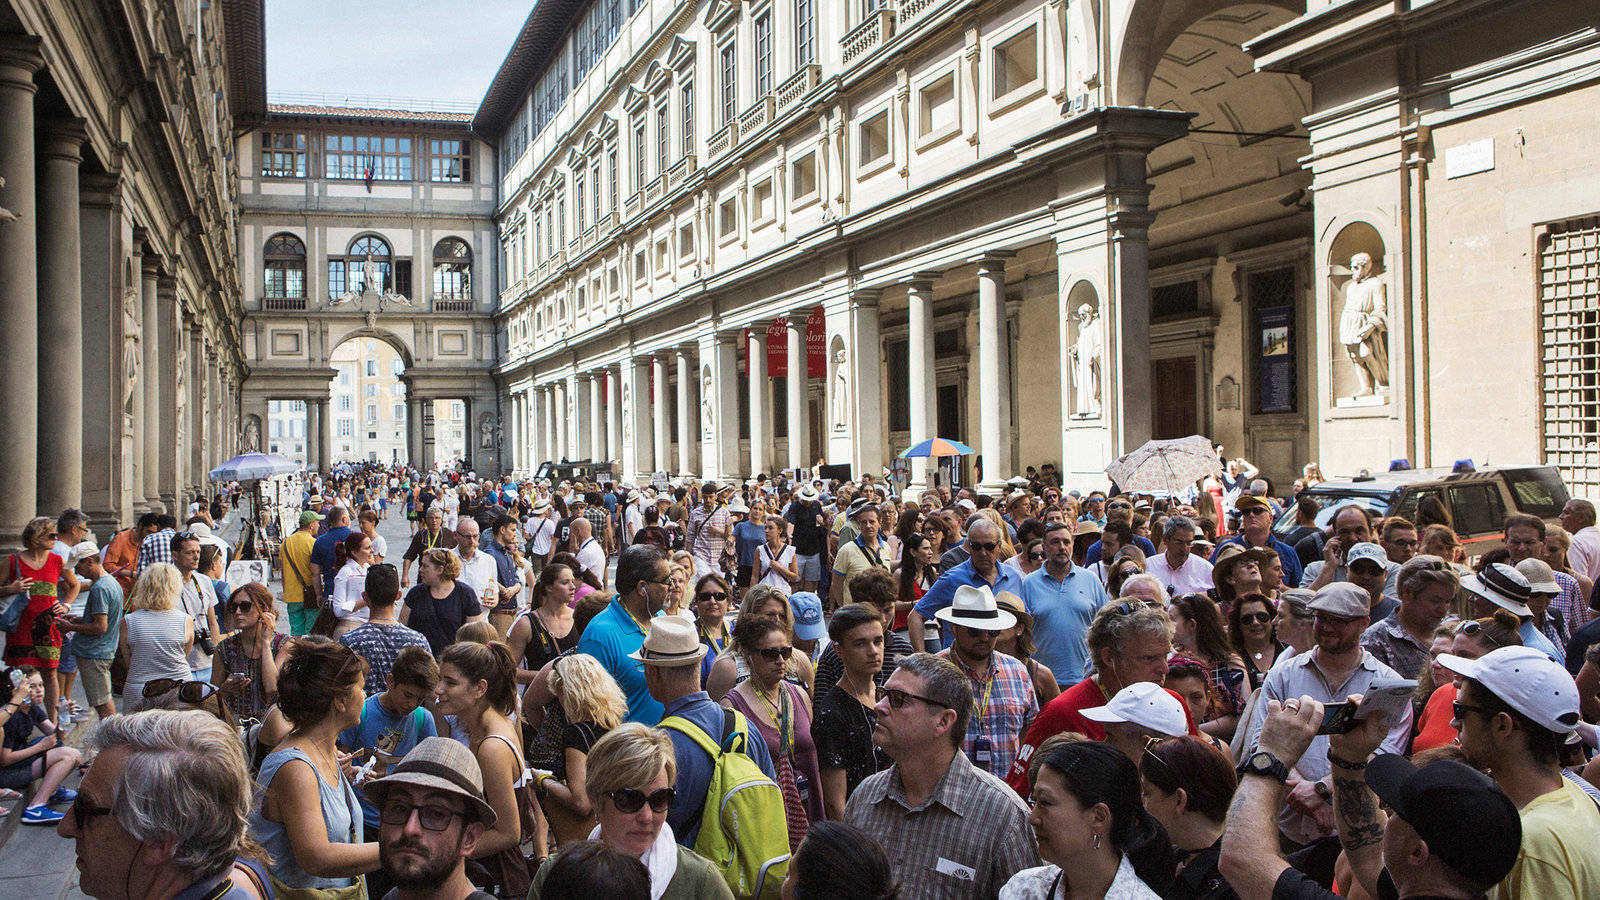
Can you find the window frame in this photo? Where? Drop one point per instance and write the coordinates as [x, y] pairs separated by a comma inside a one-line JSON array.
[[298, 151], [348, 163], [798, 200], [761, 53], [1000, 103], [864, 168], [728, 79], [452, 270], [758, 220], [441, 162], [936, 135], [288, 261]]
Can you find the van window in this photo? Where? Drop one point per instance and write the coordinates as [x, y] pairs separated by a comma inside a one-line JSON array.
[[1477, 508], [1538, 492]]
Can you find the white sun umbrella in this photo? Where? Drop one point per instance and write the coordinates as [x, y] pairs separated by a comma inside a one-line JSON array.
[[1166, 467]]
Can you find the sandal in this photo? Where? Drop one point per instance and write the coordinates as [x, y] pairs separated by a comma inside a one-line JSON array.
[[7, 795]]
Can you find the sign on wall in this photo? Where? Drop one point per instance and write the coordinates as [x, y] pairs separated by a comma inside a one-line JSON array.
[[817, 344], [777, 347], [1275, 366]]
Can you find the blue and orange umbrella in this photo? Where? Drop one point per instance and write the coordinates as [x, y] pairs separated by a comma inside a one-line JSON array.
[[937, 447]]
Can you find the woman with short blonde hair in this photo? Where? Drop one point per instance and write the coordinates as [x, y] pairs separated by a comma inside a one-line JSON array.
[[156, 631], [158, 588]]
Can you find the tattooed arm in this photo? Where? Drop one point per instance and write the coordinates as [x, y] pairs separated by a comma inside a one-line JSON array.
[[1355, 807], [1252, 823]]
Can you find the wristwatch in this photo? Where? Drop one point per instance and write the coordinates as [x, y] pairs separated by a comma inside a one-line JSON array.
[[1263, 763]]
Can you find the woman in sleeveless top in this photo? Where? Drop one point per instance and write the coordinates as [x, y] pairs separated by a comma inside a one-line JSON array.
[[775, 562], [156, 631], [592, 704], [251, 653], [309, 819], [477, 685], [545, 630]]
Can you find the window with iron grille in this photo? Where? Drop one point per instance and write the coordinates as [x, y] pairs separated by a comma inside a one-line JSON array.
[[283, 155], [1569, 326]]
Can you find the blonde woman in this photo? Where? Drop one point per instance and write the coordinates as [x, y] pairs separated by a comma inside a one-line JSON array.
[[156, 631], [730, 667], [593, 704]]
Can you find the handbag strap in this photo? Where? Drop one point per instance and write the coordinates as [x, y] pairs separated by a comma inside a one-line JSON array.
[[304, 581]]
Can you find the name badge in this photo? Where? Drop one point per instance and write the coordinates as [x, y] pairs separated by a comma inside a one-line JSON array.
[[956, 870], [982, 752]]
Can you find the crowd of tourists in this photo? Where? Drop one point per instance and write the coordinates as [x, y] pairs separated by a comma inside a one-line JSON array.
[[814, 689]]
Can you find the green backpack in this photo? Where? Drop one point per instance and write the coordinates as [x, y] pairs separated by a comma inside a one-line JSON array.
[[743, 829]]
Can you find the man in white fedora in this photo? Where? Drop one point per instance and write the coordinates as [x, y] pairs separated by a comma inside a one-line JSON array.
[[809, 536], [541, 532], [671, 655], [1005, 702], [1139, 714]]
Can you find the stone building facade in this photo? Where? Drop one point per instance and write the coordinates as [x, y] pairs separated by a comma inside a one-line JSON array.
[[121, 354], [745, 235], [369, 224]]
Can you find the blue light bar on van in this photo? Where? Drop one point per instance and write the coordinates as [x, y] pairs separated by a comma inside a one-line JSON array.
[[1399, 465], [1463, 465]]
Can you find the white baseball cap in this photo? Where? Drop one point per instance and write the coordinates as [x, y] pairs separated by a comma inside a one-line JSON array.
[[1527, 680], [1147, 705]]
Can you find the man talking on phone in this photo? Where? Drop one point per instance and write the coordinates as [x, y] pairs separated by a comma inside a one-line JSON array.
[[1333, 669]]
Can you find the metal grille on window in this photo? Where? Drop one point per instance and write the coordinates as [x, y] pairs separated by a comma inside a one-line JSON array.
[[1569, 319]]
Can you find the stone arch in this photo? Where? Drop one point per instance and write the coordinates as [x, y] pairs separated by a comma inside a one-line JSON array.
[[399, 343], [1146, 30]]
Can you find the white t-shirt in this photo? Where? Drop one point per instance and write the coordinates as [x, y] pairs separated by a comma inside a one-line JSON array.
[[1193, 577], [479, 575], [592, 557], [541, 531]]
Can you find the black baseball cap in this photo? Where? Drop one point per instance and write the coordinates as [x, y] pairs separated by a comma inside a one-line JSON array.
[[1467, 821]]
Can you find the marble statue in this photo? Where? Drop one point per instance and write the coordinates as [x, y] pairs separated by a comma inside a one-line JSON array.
[[841, 391], [131, 358], [486, 431], [1364, 327], [707, 408], [627, 416], [1086, 355], [182, 400], [252, 434], [369, 275]]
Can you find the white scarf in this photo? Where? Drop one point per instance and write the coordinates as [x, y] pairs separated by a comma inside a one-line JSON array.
[[661, 859]]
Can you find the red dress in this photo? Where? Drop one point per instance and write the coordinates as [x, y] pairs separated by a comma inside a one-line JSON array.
[[36, 642]]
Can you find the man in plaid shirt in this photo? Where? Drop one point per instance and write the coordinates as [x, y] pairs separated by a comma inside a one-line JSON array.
[[1003, 690], [157, 547], [599, 520], [708, 532]]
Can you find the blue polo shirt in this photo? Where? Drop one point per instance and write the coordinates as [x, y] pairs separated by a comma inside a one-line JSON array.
[[610, 637], [322, 554], [1292, 570], [1062, 609], [505, 572], [943, 591], [694, 764]]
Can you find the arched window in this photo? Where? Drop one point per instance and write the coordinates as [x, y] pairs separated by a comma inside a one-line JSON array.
[[285, 258], [349, 274], [452, 270]]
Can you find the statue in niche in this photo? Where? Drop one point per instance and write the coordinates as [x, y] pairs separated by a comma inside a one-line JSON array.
[[627, 416], [182, 390], [841, 391], [1086, 355], [131, 359], [369, 275], [486, 431], [252, 434], [1364, 327], [707, 409]]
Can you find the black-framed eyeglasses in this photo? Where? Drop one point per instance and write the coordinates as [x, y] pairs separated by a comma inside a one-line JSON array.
[[83, 810], [1036, 556], [193, 693], [629, 800], [1254, 511], [773, 654], [432, 818], [712, 596], [898, 699]]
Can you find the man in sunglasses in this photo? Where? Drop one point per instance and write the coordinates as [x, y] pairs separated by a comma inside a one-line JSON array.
[[982, 569], [162, 810], [1335, 668], [431, 811], [1514, 710]]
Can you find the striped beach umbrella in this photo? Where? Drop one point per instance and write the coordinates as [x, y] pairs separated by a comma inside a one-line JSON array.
[[937, 447]]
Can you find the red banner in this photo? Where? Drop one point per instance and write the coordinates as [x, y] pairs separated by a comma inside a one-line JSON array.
[[777, 347], [817, 344]]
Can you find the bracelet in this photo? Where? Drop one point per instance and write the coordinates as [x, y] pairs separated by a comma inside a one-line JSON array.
[[1338, 763]]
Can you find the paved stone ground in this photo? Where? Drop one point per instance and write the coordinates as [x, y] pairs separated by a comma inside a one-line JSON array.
[[35, 862]]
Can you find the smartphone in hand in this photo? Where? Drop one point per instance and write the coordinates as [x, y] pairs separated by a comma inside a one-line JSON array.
[[1389, 695]]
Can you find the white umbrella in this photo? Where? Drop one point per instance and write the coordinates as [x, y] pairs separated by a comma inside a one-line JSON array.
[[253, 467], [1170, 466]]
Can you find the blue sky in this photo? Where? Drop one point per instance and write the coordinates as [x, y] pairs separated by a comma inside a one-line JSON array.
[[428, 49]]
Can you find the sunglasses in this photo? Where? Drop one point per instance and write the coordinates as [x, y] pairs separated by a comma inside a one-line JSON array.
[[628, 800], [713, 596], [191, 692], [1260, 618], [773, 654], [432, 818], [242, 606], [898, 699], [1460, 710], [977, 547], [83, 810], [1036, 557], [1474, 628]]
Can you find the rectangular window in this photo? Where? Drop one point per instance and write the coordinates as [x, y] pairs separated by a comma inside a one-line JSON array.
[[363, 157], [728, 217], [538, 235], [611, 175], [402, 277], [283, 155], [803, 176], [730, 80], [805, 32], [1569, 331], [346, 403], [686, 96], [286, 280], [1016, 62], [641, 266], [761, 205], [936, 107], [663, 136], [450, 161], [372, 368], [578, 209], [663, 255], [640, 143], [686, 241], [369, 390], [561, 220], [335, 279], [347, 427], [594, 188], [763, 28], [372, 412], [399, 412], [872, 139]]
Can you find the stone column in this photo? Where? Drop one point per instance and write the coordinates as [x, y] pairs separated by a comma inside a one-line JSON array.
[[866, 405], [920, 381], [313, 433], [659, 429], [756, 367], [563, 421], [324, 435], [613, 400], [599, 426], [795, 385], [726, 463], [1128, 345], [176, 431], [157, 346], [684, 355], [134, 320], [587, 427], [637, 391], [994, 375], [60, 315], [19, 288], [413, 429]]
